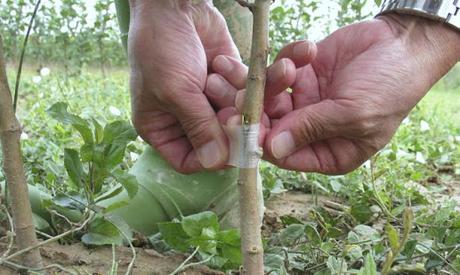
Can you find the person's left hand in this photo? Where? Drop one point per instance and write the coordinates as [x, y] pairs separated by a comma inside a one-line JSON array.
[[171, 46]]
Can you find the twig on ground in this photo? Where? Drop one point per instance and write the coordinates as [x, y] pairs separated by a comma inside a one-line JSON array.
[[11, 235], [55, 238], [60, 267], [182, 266]]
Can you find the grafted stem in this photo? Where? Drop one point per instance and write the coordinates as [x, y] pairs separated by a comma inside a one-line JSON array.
[[251, 239]]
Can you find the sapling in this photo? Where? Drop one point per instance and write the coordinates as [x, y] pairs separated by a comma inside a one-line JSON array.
[[251, 239], [10, 132]]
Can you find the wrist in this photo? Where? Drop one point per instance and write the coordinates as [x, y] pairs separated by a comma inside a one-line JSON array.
[[434, 46], [438, 37]]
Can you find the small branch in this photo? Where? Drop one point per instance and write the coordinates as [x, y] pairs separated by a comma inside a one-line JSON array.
[[11, 237], [183, 264], [21, 267], [53, 239], [21, 60]]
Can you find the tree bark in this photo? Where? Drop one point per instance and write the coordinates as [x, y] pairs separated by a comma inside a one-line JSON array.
[[10, 133], [251, 239]]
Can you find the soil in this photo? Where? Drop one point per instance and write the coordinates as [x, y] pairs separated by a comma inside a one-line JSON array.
[[95, 261], [84, 260]]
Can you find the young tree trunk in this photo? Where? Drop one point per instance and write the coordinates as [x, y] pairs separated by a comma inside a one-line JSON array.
[[10, 133], [251, 239]]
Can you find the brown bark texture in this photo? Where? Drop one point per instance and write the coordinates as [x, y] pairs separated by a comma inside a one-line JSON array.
[[251, 239], [10, 133]]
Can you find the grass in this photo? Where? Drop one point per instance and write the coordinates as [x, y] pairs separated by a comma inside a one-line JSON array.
[[418, 170]]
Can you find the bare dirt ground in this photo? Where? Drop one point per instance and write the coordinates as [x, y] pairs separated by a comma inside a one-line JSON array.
[[84, 260]]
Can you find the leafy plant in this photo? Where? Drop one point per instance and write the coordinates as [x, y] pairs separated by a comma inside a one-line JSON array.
[[219, 248], [96, 172]]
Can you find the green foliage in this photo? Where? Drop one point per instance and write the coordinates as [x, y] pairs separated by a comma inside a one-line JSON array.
[[62, 32], [413, 170], [202, 231], [95, 172]]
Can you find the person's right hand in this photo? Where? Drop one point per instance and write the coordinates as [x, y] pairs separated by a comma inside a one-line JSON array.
[[349, 102], [171, 45]]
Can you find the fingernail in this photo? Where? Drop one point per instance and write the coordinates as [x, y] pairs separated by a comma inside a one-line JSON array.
[[209, 154], [302, 49], [222, 64], [215, 87], [283, 145], [234, 120]]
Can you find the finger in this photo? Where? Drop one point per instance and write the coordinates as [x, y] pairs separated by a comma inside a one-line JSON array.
[[305, 91], [332, 157], [305, 126], [232, 69], [219, 92], [202, 128], [162, 131], [300, 52], [275, 107], [280, 76], [278, 106]]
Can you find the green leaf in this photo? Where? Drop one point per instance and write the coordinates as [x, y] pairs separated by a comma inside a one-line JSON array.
[[119, 132], [113, 155], [59, 112], [369, 268], [174, 235], [102, 232], [291, 234], [115, 206], [233, 254], [72, 201], [194, 224], [74, 167], [288, 220], [361, 212], [128, 181], [98, 131], [378, 2], [229, 237], [393, 237], [109, 194], [312, 234], [336, 266]]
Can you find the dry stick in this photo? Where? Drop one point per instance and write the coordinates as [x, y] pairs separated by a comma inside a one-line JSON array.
[[251, 239], [53, 239], [10, 133]]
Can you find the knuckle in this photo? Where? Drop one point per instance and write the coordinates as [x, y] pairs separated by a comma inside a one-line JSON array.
[[310, 128]]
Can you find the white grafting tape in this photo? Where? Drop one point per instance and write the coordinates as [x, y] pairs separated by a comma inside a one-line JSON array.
[[244, 145]]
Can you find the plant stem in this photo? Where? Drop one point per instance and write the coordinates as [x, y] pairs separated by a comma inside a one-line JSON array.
[[250, 223], [23, 52], [10, 133]]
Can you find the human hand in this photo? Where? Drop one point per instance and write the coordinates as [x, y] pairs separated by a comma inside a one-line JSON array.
[[171, 44], [349, 102], [225, 88]]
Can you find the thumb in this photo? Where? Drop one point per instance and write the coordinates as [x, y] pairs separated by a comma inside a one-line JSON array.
[[203, 130], [304, 126]]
